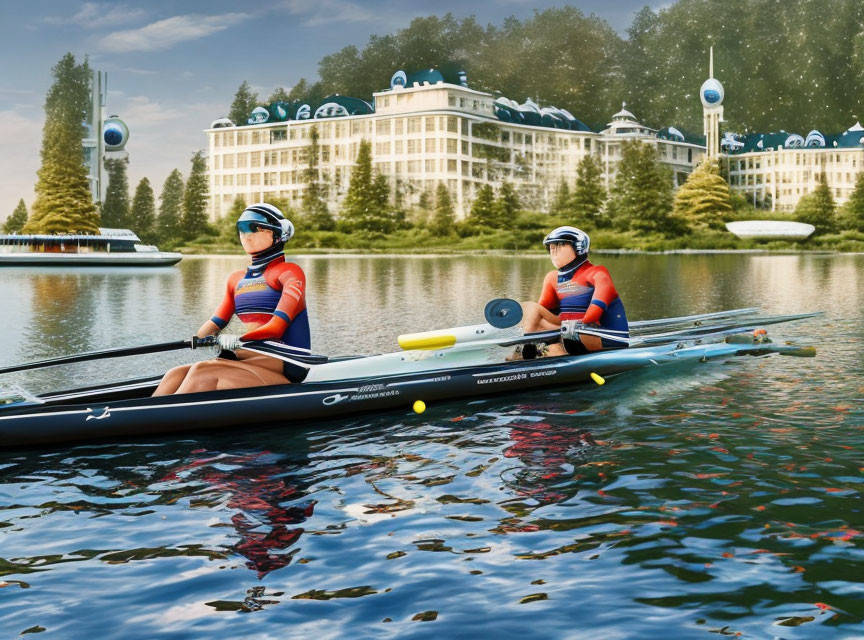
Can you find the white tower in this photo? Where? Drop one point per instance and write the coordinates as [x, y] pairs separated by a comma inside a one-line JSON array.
[[711, 95]]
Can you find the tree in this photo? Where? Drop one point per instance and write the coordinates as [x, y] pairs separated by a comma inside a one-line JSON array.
[[228, 222], [314, 203], [279, 95], [642, 194], [817, 208], [63, 200], [143, 218], [443, 220], [853, 210], [169, 223], [15, 222], [244, 102], [507, 205], [362, 207], [483, 213], [383, 212], [195, 197], [115, 209], [704, 201], [561, 203], [588, 197]]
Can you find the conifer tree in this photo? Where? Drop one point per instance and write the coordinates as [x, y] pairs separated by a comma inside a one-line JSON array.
[[589, 194], [15, 222], [279, 95], [483, 211], [195, 197], [507, 205], [853, 210], [169, 222], [817, 208], [443, 220], [361, 201], [314, 204], [642, 194], [228, 222], [561, 203], [143, 214], [244, 102], [382, 218], [63, 200], [704, 201], [115, 209]]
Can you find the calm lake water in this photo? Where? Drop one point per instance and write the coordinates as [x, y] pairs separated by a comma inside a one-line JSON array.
[[712, 500]]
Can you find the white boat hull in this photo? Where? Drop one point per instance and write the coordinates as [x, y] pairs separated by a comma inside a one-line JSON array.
[[138, 259]]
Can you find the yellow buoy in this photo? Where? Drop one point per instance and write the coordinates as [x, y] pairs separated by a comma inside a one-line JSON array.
[[596, 377], [419, 406]]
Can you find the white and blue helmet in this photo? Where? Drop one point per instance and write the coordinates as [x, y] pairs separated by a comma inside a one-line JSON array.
[[266, 216], [571, 235]]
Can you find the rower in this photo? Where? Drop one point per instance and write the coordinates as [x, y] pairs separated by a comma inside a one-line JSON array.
[[578, 296], [269, 297]]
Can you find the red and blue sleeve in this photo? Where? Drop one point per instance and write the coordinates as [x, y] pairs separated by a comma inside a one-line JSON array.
[[604, 294], [549, 295], [222, 315], [292, 281]]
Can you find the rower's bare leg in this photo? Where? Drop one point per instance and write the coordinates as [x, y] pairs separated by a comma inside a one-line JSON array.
[[217, 375], [536, 317], [172, 380]]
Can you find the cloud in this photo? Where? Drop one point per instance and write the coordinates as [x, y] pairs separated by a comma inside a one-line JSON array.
[[318, 12], [166, 33], [140, 111], [94, 15]]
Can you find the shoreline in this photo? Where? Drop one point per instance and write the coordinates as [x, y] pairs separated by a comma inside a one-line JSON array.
[[313, 251]]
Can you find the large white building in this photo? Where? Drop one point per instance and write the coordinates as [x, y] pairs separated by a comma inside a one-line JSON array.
[[424, 131]]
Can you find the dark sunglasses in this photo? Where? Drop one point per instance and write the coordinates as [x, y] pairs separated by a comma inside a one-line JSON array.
[[250, 226]]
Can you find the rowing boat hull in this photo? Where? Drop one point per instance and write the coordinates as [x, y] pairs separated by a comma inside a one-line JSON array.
[[100, 412]]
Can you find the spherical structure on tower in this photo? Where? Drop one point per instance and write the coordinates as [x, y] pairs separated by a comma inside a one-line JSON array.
[[711, 93]]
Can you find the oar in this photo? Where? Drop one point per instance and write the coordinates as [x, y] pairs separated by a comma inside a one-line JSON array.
[[194, 343]]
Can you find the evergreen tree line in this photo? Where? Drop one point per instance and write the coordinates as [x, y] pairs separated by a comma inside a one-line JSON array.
[[796, 64]]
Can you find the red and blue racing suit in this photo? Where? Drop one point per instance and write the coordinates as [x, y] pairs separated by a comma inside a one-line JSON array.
[[583, 291]]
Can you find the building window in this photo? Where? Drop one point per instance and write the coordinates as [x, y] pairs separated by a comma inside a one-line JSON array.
[[414, 125], [400, 126], [382, 127], [430, 124], [430, 166], [451, 145], [453, 124], [430, 145], [451, 166], [690, 155], [255, 159]]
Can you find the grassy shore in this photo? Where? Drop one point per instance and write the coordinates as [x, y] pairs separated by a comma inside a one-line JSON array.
[[422, 241]]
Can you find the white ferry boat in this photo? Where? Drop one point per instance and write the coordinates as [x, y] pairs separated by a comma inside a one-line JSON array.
[[112, 247]]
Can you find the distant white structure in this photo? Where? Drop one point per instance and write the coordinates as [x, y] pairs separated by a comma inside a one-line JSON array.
[[770, 229]]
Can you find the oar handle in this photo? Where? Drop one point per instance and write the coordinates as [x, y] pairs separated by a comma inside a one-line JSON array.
[[194, 343]]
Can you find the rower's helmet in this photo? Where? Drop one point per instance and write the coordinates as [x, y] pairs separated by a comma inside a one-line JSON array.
[[571, 235], [265, 216]]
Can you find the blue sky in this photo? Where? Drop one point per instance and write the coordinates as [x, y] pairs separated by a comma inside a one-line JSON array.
[[174, 67]]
